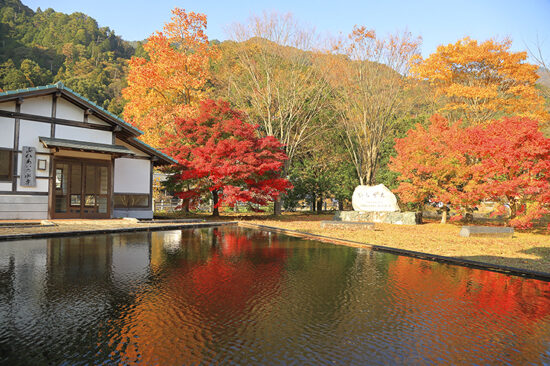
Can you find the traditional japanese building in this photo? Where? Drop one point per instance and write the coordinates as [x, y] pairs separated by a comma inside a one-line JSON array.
[[62, 156]]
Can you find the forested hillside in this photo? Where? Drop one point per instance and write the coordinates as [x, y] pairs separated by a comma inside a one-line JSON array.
[[46, 46]]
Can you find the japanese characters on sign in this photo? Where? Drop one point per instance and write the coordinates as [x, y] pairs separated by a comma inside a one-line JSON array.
[[28, 167]]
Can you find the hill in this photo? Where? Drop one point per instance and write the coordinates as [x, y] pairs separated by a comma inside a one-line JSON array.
[[42, 47]]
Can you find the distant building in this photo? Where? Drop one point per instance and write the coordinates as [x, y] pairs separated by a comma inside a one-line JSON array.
[[62, 156]]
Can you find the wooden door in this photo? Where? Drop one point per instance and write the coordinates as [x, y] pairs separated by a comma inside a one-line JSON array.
[[81, 189]]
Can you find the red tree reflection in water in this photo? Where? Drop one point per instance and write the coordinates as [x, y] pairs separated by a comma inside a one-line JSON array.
[[491, 298], [173, 323]]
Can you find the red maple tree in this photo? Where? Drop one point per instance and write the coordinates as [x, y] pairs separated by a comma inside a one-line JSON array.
[[220, 153], [505, 161], [513, 167]]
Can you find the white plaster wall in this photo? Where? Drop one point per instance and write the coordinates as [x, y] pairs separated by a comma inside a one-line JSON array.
[[8, 106], [5, 186], [23, 207], [130, 262], [138, 214], [29, 131], [132, 176], [7, 127], [83, 134], [67, 110], [42, 185], [133, 149], [97, 121], [38, 106]]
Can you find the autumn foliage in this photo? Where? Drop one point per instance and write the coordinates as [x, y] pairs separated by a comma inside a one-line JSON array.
[[219, 152], [370, 92], [171, 81], [431, 163], [506, 161], [478, 82]]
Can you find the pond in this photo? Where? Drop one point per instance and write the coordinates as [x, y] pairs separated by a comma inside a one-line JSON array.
[[238, 296]]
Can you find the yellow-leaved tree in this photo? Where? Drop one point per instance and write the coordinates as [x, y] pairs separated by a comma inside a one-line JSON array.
[[478, 82], [172, 80]]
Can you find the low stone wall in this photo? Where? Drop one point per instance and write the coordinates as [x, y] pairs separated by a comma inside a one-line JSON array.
[[399, 218]]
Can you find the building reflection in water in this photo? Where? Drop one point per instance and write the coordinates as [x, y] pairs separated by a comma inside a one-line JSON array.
[[202, 272], [235, 295]]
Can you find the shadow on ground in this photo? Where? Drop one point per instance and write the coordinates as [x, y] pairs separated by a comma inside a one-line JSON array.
[[539, 264]]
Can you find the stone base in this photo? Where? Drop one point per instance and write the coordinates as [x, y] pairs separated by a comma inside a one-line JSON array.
[[399, 218], [347, 225], [486, 231]]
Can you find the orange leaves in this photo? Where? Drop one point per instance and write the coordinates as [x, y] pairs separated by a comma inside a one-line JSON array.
[[482, 81], [172, 80], [187, 27]]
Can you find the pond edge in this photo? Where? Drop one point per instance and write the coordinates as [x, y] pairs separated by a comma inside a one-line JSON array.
[[513, 271], [54, 234]]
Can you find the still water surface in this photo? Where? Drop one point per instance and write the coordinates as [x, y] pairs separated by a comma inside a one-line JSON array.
[[236, 296]]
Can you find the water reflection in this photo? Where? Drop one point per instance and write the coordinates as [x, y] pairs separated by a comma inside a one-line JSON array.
[[240, 296]]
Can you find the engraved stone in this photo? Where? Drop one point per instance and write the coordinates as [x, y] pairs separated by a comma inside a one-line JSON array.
[[374, 199]]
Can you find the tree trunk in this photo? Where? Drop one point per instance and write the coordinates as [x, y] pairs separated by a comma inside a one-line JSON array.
[[320, 205], [513, 210], [188, 202], [313, 202], [341, 205], [215, 211], [278, 206], [444, 216], [278, 203]]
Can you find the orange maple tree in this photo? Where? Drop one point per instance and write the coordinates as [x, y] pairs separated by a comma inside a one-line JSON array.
[[172, 79], [432, 166], [478, 82]]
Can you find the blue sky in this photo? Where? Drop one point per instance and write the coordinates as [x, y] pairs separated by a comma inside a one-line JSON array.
[[438, 22]]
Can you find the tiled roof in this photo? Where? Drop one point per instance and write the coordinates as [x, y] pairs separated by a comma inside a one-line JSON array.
[[168, 158], [60, 86], [49, 142]]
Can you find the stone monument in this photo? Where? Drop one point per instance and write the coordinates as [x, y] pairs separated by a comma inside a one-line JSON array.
[[376, 204], [374, 198]]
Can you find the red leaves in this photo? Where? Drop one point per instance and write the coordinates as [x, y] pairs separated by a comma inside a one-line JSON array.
[[219, 151], [506, 161]]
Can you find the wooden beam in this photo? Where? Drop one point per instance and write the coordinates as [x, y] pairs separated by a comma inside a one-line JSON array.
[[15, 158], [54, 112], [59, 121]]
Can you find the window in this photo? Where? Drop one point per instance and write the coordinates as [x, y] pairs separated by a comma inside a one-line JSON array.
[[6, 158], [131, 200]]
